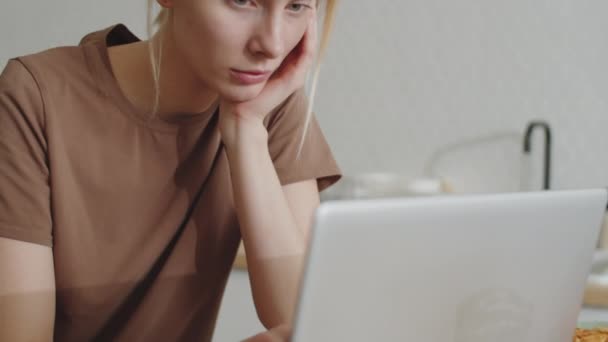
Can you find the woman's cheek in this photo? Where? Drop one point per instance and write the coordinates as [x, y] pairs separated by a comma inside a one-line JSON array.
[[295, 37]]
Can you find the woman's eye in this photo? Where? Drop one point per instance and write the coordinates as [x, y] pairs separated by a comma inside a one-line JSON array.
[[297, 7], [241, 2]]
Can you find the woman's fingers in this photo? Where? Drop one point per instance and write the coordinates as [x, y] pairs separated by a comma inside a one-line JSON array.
[[310, 46], [279, 334], [292, 74], [307, 54]]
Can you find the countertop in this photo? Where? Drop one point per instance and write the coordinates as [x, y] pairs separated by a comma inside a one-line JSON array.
[[240, 263]]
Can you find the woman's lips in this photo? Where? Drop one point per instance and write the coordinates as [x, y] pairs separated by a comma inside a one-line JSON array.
[[249, 77]]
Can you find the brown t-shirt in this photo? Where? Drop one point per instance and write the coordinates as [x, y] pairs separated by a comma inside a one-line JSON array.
[[82, 171]]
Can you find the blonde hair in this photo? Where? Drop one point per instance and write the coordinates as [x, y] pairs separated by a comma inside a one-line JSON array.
[[161, 18]]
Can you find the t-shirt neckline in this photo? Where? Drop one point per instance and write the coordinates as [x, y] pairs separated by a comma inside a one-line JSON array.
[[108, 84]]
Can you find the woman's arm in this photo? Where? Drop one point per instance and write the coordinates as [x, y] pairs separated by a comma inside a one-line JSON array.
[[27, 291], [274, 240], [274, 223]]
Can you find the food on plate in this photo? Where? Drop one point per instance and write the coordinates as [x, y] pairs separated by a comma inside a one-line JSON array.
[[591, 335]]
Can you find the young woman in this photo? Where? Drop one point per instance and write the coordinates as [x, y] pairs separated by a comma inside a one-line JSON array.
[[130, 171]]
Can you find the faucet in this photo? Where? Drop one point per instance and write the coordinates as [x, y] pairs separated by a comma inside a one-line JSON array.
[[547, 165]]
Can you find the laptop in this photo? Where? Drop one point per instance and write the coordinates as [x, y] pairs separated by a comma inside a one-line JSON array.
[[474, 268]]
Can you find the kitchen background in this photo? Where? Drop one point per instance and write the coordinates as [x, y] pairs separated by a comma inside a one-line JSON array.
[[420, 88]]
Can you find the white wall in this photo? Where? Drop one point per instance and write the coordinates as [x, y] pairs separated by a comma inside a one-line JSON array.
[[406, 79], [27, 26], [407, 85]]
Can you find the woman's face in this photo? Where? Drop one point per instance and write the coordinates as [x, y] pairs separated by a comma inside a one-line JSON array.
[[228, 43]]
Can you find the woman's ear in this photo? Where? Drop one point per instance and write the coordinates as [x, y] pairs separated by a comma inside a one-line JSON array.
[[166, 3]]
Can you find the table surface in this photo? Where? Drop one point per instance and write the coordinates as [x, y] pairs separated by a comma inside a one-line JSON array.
[[591, 314]]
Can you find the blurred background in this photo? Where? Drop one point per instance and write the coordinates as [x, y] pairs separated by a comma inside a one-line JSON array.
[[420, 97]]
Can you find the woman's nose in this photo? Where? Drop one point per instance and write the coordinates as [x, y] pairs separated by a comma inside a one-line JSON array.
[[267, 39]]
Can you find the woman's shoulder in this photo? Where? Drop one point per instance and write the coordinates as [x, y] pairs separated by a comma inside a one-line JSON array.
[[51, 65], [29, 81], [295, 104], [61, 64]]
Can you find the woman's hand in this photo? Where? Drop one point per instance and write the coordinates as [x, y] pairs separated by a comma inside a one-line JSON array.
[[290, 76], [281, 333]]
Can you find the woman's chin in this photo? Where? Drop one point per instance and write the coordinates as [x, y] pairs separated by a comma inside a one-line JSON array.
[[240, 93]]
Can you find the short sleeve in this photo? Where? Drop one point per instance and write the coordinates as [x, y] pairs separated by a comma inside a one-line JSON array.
[[286, 126], [25, 212]]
